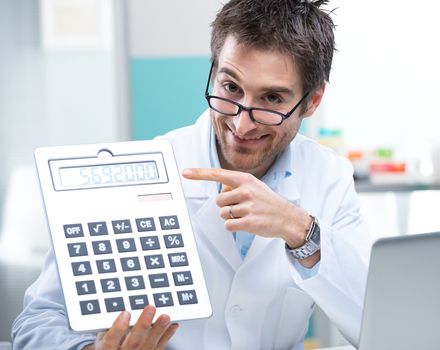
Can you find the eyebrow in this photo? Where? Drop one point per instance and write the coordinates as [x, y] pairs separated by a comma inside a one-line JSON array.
[[278, 89]]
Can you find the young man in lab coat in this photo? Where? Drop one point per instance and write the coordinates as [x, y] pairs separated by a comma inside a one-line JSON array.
[[276, 216]]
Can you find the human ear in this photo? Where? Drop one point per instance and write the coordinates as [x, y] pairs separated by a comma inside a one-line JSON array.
[[314, 100]]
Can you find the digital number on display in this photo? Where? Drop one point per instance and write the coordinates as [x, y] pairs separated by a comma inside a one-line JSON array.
[[109, 174]]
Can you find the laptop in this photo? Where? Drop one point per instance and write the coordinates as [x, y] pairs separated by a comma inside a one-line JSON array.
[[402, 301]]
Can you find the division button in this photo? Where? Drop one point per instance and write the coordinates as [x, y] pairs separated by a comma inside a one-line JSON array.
[[150, 243]]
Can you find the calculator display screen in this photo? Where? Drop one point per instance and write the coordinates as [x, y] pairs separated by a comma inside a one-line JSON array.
[[109, 174]]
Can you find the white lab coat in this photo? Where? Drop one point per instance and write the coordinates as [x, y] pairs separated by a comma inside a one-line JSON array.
[[262, 302]]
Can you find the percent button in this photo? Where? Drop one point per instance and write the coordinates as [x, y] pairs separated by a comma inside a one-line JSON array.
[[173, 241]]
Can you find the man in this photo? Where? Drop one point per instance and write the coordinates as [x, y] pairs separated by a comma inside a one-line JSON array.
[[277, 223]]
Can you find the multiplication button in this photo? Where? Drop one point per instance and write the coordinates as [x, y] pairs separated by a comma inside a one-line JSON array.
[[154, 261]]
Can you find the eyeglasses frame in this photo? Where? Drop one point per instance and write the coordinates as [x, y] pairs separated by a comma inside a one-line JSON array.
[[249, 109]]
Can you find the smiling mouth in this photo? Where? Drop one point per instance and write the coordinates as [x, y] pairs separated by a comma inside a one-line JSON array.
[[247, 139]]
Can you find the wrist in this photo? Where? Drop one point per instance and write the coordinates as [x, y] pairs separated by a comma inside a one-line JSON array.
[[310, 246], [297, 227]]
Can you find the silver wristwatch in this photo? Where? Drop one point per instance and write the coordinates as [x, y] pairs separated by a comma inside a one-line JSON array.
[[312, 242]]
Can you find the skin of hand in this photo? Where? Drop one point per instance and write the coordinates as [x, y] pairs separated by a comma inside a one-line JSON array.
[[256, 208], [144, 335]]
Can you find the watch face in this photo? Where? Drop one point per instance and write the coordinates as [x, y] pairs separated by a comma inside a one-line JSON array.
[[316, 235]]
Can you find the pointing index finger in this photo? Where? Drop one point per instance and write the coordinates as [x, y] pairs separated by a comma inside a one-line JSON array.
[[225, 177]]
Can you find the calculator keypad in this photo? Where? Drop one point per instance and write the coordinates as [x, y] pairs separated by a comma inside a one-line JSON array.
[[147, 264]]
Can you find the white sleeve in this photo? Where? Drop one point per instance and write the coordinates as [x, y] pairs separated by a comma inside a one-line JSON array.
[[338, 285], [43, 322]]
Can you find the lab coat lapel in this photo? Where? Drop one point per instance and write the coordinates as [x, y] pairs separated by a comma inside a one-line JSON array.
[[211, 225]]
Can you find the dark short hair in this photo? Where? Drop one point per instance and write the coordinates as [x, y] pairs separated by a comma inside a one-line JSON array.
[[298, 28]]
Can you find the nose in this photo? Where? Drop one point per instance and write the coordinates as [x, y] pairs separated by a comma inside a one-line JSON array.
[[243, 123]]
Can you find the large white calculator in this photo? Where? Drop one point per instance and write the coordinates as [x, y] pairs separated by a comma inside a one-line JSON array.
[[121, 232]]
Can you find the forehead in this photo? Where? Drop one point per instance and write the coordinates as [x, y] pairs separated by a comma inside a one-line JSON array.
[[258, 66]]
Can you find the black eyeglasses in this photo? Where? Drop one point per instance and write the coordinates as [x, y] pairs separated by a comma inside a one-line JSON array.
[[231, 108]]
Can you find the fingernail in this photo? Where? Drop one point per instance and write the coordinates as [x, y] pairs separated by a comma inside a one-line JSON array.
[[187, 172], [164, 322], [125, 316]]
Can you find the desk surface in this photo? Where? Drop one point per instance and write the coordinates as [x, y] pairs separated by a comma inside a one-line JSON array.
[[396, 183]]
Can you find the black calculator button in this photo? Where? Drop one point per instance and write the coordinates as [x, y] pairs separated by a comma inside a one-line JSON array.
[[173, 241], [159, 280], [114, 304], [77, 249], [126, 245], [169, 222], [150, 243], [81, 268], [163, 299], [154, 261], [138, 301], [121, 226], [102, 247], [110, 285], [73, 230], [187, 297], [89, 307], [178, 259], [134, 282], [98, 228], [182, 278], [145, 224], [106, 265], [85, 287], [130, 264]]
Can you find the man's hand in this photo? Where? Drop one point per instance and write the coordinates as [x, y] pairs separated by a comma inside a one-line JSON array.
[[247, 204], [143, 336]]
